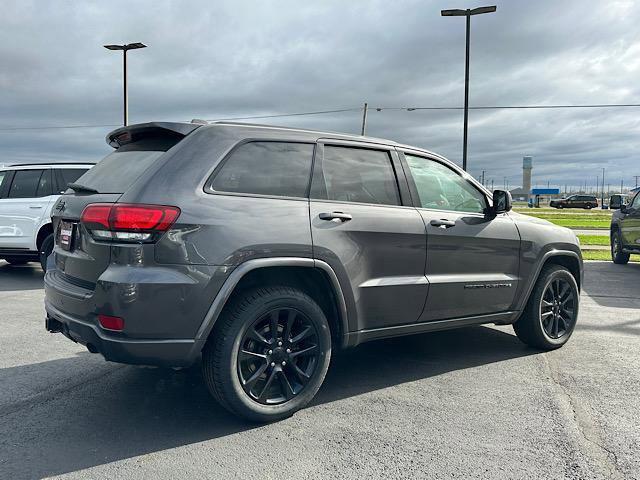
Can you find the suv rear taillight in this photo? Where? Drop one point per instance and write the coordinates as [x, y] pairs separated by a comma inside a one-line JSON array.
[[124, 222]]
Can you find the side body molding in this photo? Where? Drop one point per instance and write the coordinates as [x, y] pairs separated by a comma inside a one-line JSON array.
[[241, 270]]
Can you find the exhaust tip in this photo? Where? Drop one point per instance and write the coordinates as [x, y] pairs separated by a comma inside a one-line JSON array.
[[92, 348]]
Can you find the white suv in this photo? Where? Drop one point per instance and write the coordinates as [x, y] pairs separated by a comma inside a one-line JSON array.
[[27, 195]]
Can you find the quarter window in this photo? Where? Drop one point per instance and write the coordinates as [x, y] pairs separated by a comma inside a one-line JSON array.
[[267, 168], [356, 175], [441, 188], [25, 184]]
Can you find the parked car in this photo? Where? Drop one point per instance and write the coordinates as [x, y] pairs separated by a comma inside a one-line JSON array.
[[575, 201], [263, 250], [27, 195], [625, 231]]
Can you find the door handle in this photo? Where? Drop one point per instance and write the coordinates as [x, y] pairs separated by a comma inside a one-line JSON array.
[[35, 207], [442, 223], [343, 217]]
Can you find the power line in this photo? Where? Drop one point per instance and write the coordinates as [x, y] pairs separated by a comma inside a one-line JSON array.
[[297, 114], [342, 110]]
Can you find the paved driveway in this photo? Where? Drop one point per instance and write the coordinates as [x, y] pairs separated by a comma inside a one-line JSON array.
[[471, 403]]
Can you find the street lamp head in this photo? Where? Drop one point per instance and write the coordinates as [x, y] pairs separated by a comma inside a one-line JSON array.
[[133, 46], [457, 12], [453, 13], [481, 10], [128, 46]]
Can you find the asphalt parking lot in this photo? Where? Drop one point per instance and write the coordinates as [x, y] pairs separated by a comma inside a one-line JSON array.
[[471, 403]]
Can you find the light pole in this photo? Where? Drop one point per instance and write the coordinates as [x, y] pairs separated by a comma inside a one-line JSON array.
[[466, 13], [125, 48]]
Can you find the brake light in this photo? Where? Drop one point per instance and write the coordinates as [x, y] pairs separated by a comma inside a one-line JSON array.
[[111, 323], [128, 222]]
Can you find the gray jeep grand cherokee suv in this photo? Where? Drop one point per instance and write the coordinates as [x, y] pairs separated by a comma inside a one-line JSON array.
[[261, 250]]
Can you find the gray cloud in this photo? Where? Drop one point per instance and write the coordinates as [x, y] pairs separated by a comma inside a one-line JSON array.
[[231, 58]]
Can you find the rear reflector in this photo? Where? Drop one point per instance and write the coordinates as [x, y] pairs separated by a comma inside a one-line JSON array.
[[128, 222], [111, 323]]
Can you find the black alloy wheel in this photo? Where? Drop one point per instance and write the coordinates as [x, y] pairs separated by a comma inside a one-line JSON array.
[[558, 308], [278, 356]]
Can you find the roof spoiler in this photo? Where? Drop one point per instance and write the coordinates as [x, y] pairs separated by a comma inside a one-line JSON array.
[[123, 135]]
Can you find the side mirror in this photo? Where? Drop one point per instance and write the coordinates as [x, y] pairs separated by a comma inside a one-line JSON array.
[[501, 201]]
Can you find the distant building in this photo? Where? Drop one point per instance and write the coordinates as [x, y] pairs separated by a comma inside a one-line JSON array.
[[520, 194]]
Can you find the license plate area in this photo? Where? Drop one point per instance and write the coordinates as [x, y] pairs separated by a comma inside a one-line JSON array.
[[66, 235]]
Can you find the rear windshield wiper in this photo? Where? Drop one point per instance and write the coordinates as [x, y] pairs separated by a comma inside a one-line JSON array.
[[81, 188]]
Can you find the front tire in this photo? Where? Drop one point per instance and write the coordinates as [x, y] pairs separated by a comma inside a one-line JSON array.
[[617, 255], [268, 354], [552, 310]]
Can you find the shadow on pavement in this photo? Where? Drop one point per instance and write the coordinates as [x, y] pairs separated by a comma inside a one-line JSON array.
[[20, 277], [123, 411], [612, 285]]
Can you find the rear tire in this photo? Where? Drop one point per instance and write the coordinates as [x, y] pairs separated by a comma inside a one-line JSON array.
[[261, 373], [617, 255], [45, 250], [552, 310]]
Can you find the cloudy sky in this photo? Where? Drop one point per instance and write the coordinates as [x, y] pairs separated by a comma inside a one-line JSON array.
[[220, 59]]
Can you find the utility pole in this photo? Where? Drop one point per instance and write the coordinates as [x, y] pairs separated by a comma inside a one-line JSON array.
[[636, 177], [602, 196], [621, 186], [466, 13], [364, 119], [483, 178], [492, 184]]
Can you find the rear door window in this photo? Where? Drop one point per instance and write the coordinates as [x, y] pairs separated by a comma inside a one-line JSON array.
[[25, 184], [266, 168], [45, 185], [359, 175]]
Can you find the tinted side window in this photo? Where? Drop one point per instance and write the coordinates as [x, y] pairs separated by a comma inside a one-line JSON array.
[[68, 175], [636, 202], [356, 175], [441, 188], [267, 168], [25, 184], [4, 176], [45, 185]]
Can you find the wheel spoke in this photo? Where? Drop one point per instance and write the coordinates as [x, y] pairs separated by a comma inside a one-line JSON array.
[[302, 376], [564, 289], [274, 325], [546, 314], [546, 303], [252, 355], [555, 326], [287, 389], [304, 351], [287, 328], [254, 335], [302, 335], [267, 384], [256, 375]]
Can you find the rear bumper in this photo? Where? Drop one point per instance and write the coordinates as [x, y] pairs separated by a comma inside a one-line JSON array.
[[165, 352]]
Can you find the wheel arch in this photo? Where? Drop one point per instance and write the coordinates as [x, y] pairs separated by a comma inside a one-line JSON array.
[[44, 231], [567, 258], [314, 277]]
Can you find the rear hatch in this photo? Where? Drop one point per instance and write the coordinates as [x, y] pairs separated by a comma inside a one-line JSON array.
[[80, 257]]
